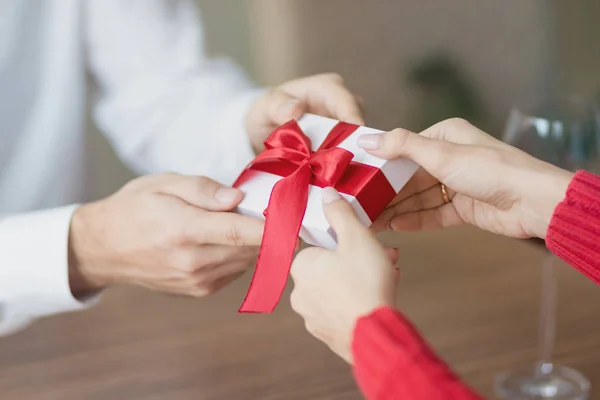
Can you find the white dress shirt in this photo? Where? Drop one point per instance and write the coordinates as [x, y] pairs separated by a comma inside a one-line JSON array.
[[160, 101]]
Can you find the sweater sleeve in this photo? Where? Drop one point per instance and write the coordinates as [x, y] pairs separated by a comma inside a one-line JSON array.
[[574, 231], [393, 361]]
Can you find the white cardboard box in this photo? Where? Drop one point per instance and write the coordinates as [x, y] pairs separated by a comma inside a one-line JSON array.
[[315, 228]]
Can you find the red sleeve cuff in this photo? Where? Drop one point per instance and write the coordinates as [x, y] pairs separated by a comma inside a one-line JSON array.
[[574, 231], [393, 361]]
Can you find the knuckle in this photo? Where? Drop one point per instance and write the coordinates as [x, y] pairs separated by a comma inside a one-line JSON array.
[[334, 77], [186, 262], [168, 175], [296, 301], [136, 183], [199, 281], [399, 138], [200, 292], [217, 258], [304, 257], [172, 236], [233, 236], [451, 129], [205, 185], [312, 330], [143, 182], [456, 122]]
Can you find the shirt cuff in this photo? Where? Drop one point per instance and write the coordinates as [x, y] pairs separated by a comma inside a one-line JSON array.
[[34, 267]]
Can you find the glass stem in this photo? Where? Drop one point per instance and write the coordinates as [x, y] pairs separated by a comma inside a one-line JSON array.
[[547, 327]]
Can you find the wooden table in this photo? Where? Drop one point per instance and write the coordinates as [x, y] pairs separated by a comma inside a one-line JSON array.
[[474, 295]]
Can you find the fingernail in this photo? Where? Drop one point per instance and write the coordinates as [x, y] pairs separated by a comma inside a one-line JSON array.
[[288, 107], [330, 195], [226, 195], [369, 142]]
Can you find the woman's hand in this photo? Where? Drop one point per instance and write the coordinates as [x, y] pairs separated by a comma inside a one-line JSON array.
[[490, 184], [334, 288]]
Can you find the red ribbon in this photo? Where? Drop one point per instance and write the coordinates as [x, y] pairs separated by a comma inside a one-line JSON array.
[[288, 154]]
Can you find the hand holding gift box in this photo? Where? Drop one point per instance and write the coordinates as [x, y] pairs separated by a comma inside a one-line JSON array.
[[284, 184]]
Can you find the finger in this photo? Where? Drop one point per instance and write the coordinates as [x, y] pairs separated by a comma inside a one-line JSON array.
[[228, 269], [425, 200], [441, 217], [460, 131], [226, 280], [438, 157], [361, 105], [327, 95], [223, 228], [282, 107], [393, 254], [215, 254], [343, 219], [420, 181], [202, 192], [206, 257], [340, 103], [205, 287]]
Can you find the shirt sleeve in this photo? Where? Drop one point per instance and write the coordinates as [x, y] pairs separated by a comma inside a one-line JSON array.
[[392, 361], [34, 274], [161, 102]]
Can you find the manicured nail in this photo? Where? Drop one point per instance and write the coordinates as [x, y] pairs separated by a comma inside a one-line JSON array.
[[288, 107], [369, 142], [330, 195], [226, 195]]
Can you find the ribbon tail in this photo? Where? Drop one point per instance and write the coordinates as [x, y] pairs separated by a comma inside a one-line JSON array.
[[285, 212]]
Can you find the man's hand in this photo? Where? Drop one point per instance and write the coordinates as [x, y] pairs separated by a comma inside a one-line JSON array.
[[324, 95], [166, 232]]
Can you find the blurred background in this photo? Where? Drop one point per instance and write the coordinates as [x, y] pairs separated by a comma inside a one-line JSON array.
[[413, 62]]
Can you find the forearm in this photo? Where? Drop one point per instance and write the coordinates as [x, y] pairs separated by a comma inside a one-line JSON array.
[[392, 361], [574, 231], [34, 265]]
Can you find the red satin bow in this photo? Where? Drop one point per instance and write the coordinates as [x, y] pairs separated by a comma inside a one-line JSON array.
[[288, 154]]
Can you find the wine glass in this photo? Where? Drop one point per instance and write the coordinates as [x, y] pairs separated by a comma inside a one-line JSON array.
[[564, 133]]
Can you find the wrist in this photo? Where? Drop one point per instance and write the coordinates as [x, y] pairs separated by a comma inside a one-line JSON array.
[[550, 188], [85, 274]]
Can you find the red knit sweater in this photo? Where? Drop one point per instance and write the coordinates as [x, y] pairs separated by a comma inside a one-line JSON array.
[[391, 359]]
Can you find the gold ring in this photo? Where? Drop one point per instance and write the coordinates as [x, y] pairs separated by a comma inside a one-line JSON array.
[[444, 193]]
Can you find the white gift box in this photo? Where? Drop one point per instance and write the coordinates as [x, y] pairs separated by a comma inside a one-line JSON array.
[[315, 228]]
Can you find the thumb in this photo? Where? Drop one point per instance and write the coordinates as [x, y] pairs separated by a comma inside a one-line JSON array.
[[435, 156], [342, 218], [281, 107], [201, 192]]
